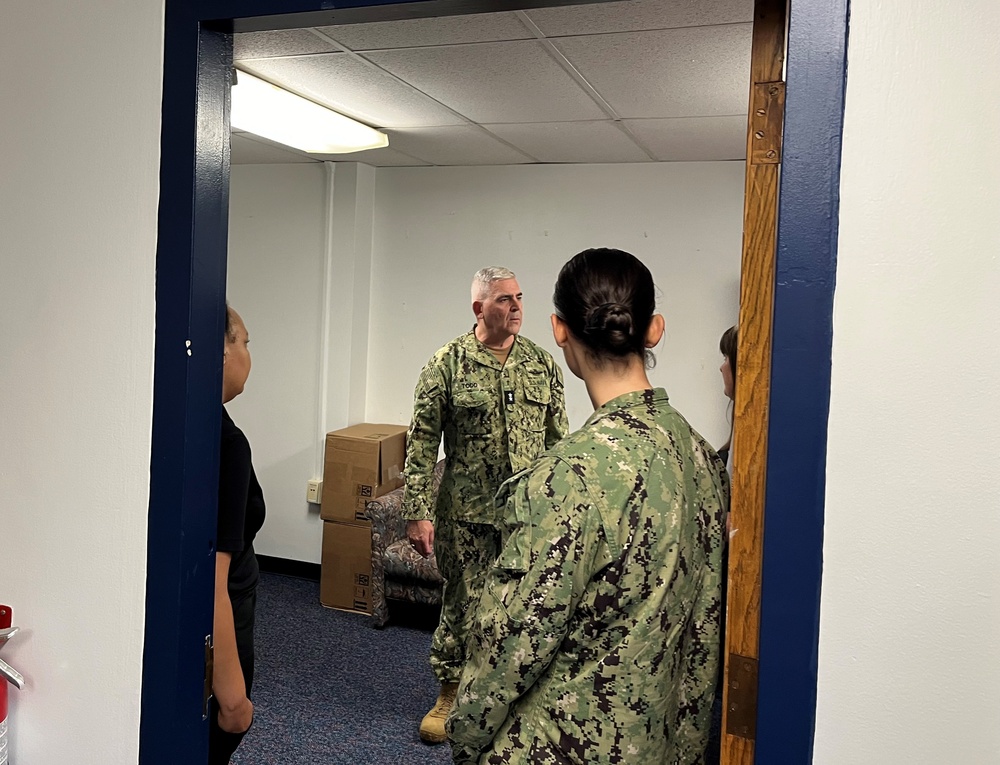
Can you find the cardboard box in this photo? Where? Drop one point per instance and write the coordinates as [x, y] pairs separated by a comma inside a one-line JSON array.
[[362, 462], [346, 567]]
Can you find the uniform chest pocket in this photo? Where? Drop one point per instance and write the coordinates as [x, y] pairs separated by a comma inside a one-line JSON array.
[[473, 410], [537, 392], [537, 396]]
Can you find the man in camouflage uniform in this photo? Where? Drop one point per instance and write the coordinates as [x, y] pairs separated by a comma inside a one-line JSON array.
[[498, 399], [596, 639]]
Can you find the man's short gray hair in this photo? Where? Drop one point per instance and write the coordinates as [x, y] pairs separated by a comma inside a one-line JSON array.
[[484, 279]]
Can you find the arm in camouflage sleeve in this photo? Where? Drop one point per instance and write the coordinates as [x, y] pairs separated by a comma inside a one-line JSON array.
[[701, 637], [527, 604], [556, 421], [422, 441]]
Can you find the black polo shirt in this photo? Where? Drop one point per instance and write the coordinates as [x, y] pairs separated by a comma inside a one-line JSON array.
[[241, 507]]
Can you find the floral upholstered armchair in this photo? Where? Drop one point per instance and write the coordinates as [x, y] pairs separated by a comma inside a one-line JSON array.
[[398, 571]]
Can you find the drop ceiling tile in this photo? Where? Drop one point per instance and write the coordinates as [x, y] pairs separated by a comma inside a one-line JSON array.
[[353, 88], [251, 151], [375, 157], [694, 138], [448, 30], [286, 42], [584, 142], [637, 15], [493, 82], [455, 146], [692, 72]]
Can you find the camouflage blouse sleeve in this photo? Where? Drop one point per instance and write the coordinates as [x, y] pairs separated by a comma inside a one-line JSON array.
[[422, 442], [556, 421], [554, 548]]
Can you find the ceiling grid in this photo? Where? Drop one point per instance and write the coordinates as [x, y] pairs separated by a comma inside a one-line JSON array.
[[630, 81], [323, 35]]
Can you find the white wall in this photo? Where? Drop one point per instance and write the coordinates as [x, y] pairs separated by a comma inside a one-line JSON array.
[[299, 274], [910, 621], [78, 197], [277, 255], [434, 227]]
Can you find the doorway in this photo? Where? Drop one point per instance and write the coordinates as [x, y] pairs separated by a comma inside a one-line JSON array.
[[190, 290]]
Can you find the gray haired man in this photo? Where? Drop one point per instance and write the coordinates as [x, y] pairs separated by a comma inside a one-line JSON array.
[[497, 399]]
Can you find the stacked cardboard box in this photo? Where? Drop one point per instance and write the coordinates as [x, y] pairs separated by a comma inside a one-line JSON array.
[[361, 462], [345, 578]]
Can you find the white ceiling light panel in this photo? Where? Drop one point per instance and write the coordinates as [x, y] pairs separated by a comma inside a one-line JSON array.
[[266, 110]]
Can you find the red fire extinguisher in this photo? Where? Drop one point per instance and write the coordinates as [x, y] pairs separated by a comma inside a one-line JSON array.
[[7, 674]]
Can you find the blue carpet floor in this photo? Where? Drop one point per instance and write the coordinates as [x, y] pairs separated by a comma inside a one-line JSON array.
[[330, 689]]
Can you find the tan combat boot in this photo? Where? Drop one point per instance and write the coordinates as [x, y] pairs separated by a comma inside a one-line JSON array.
[[432, 726]]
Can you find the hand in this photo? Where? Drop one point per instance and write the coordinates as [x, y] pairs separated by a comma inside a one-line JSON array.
[[237, 720], [421, 536]]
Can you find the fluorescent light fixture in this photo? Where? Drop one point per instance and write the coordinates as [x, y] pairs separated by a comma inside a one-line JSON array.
[[270, 112]]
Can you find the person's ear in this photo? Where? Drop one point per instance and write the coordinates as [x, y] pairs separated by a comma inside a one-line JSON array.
[[477, 308], [559, 331], [655, 331]]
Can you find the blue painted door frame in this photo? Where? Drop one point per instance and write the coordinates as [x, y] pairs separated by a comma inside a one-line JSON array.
[[806, 264], [190, 291]]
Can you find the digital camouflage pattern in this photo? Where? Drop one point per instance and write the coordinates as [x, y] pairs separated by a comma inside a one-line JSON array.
[[495, 420], [596, 639], [465, 554]]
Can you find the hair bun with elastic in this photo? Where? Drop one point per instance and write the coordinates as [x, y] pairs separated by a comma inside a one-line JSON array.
[[610, 316], [613, 324], [607, 298]]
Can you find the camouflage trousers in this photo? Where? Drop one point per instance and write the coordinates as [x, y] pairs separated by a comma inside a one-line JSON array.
[[465, 554]]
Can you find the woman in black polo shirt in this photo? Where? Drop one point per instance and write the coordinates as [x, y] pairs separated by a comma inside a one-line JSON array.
[[241, 514]]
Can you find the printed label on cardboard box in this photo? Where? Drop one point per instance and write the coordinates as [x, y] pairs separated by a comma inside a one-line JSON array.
[[362, 462], [345, 576]]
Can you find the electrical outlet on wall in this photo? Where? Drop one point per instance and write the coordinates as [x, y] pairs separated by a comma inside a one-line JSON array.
[[314, 491]]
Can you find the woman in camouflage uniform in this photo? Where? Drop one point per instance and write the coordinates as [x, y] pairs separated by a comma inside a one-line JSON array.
[[596, 639]]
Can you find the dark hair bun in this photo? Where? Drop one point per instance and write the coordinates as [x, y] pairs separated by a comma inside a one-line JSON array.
[[611, 325], [606, 297]]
